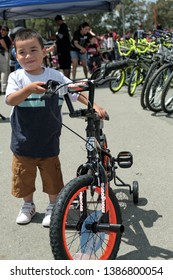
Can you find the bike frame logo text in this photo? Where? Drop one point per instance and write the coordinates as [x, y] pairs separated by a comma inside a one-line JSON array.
[[103, 197], [90, 143]]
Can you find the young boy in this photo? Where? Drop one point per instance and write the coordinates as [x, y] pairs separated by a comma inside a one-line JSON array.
[[35, 132]]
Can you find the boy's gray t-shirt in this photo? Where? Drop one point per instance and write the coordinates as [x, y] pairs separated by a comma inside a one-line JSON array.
[[35, 130]]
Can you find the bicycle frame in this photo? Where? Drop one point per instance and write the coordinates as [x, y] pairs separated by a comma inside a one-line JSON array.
[[94, 150], [87, 212]]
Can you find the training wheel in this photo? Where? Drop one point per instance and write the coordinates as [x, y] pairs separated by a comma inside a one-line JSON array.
[[135, 191]]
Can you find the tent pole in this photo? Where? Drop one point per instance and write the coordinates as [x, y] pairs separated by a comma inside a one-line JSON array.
[[123, 19]]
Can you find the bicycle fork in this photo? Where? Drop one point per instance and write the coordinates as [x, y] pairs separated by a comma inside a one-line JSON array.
[[100, 221]]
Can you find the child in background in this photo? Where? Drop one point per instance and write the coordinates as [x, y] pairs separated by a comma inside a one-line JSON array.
[[94, 57]]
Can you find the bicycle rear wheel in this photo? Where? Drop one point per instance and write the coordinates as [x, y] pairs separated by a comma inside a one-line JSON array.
[[69, 237]]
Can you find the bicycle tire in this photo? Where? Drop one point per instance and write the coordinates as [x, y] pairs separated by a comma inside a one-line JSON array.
[[96, 74], [135, 79], [167, 96], [73, 245], [128, 71], [155, 87], [154, 66], [116, 85], [135, 192]]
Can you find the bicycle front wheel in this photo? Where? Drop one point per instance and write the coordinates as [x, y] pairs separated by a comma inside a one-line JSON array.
[[116, 84], [153, 68], [96, 74], [78, 205], [156, 86], [167, 96], [136, 78]]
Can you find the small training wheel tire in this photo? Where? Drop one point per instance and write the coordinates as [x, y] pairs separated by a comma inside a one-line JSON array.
[[135, 192]]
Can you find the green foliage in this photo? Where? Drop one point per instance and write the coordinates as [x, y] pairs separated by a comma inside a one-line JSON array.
[[164, 11]]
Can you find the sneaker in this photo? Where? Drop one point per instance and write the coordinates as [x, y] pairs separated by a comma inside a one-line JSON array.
[[46, 220], [26, 213]]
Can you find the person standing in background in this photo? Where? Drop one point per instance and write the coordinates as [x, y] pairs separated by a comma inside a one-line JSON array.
[[111, 46], [13, 63], [63, 46], [5, 45], [139, 33], [79, 48]]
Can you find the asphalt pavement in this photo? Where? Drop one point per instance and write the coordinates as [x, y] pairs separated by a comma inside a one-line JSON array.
[[148, 225]]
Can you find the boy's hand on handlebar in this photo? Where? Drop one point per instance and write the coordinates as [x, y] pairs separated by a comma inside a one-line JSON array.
[[100, 111], [38, 87], [20, 95]]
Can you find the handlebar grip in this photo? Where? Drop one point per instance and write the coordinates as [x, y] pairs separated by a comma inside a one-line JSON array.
[[116, 65], [69, 103]]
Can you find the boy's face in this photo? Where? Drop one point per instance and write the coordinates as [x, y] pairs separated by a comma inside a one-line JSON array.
[[30, 55]]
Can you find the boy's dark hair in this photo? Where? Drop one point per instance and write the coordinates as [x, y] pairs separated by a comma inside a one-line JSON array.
[[27, 33]]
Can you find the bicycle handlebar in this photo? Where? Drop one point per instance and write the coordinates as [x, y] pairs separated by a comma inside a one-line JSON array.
[[53, 88], [83, 85], [116, 65], [109, 67]]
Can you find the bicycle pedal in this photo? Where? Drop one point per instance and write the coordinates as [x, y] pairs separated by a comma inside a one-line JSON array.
[[125, 159]]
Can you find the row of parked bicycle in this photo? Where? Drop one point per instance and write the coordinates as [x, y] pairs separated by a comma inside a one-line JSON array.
[[150, 65]]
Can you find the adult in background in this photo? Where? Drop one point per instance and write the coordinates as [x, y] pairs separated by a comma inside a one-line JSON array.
[[63, 46], [79, 48], [139, 33], [5, 45], [13, 62]]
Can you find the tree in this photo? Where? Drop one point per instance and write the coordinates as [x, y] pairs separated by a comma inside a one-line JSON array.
[[164, 12]]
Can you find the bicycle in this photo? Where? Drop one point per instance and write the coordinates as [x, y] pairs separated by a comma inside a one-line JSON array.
[[144, 55], [159, 59], [86, 222], [122, 75], [156, 86], [140, 54]]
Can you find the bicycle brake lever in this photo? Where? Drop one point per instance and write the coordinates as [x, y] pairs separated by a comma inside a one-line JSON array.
[[47, 95], [44, 86], [51, 88]]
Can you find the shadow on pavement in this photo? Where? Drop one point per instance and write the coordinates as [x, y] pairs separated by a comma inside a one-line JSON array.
[[134, 235]]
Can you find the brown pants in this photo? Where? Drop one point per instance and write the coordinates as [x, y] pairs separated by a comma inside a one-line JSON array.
[[24, 171]]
